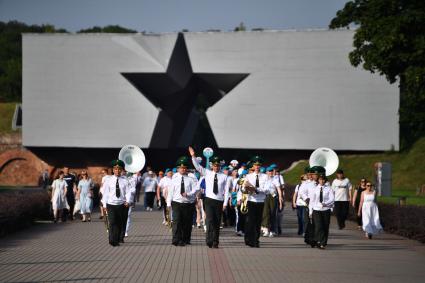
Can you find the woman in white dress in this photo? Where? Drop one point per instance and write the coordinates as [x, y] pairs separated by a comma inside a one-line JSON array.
[[369, 211], [59, 188], [85, 195]]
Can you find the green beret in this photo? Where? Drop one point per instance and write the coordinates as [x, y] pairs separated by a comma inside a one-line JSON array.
[[215, 160], [317, 170], [118, 163], [183, 161], [257, 160]]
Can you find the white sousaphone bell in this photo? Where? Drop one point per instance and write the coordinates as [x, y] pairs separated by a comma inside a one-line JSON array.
[[133, 158], [325, 157]]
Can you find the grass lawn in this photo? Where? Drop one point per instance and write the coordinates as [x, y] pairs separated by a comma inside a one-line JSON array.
[[407, 171], [6, 113]]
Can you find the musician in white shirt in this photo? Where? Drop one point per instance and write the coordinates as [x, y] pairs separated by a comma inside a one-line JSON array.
[[216, 197], [321, 202], [255, 203], [116, 196], [180, 198]]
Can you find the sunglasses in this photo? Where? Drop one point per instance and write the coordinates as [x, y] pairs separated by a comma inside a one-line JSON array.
[[369, 186]]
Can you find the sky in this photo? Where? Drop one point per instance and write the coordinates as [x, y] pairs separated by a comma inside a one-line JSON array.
[[162, 16]]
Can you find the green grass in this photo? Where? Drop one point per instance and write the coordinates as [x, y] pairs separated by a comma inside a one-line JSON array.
[[407, 171], [6, 113]]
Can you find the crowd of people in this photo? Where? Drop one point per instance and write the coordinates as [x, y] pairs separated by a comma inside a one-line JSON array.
[[247, 196]]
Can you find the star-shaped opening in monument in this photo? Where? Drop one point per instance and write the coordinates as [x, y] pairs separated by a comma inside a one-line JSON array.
[[183, 98]]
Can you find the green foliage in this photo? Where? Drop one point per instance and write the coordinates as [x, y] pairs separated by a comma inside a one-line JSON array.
[[390, 40], [107, 29], [240, 27], [11, 57], [6, 113]]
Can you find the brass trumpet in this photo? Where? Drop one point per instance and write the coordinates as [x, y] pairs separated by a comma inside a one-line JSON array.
[[247, 189]]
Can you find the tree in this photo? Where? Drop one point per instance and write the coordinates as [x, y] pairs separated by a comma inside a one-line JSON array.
[[107, 29], [240, 27], [390, 39], [11, 57]]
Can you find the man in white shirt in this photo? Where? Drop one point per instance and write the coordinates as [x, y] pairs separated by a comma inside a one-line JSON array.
[[255, 203], [162, 191], [341, 187], [180, 198], [306, 191], [116, 196], [216, 197], [150, 184]]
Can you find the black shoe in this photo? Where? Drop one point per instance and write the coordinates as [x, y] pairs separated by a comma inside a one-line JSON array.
[[215, 245], [181, 244], [175, 244], [257, 245], [209, 245], [322, 247], [369, 236], [313, 245], [187, 242], [122, 241]]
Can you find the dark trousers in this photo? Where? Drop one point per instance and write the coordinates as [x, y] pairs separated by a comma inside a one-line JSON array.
[[164, 207], [321, 220], [253, 223], [240, 226], [115, 218], [229, 216], [150, 197], [124, 222], [308, 228], [182, 222], [213, 210], [341, 212], [70, 212], [358, 218], [300, 216]]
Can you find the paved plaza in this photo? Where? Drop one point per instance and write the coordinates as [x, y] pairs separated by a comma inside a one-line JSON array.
[[79, 252]]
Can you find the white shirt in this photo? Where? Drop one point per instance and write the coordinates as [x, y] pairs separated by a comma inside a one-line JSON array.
[[278, 181], [272, 186], [190, 188], [307, 189], [164, 184], [104, 178], [150, 184], [328, 199], [341, 189], [223, 185], [109, 196], [299, 201], [261, 190]]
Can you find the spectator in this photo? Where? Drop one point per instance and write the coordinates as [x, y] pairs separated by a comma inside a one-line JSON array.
[[85, 195], [59, 202], [369, 211], [150, 184], [356, 201], [70, 193]]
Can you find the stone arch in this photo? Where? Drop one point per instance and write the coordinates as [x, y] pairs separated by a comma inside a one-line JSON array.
[[21, 167]]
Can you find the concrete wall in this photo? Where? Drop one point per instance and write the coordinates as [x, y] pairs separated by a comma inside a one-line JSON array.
[[301, 93]]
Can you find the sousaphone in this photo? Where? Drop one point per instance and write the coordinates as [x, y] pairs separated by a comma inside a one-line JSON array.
[[325, 157], [133, 158]]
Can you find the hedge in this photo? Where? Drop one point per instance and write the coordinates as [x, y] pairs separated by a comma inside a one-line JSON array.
[[19, 208]]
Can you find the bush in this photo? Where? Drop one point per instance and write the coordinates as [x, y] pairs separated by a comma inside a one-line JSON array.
[[19, 208], [407, 221]]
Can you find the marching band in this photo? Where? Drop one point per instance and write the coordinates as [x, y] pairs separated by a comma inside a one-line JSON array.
[[253, 195]]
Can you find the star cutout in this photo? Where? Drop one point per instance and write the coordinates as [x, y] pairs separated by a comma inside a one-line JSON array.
[[183, 98]]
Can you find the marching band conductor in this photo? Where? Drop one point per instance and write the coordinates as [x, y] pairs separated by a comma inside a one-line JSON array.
[[116, 197], [216, 197]]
